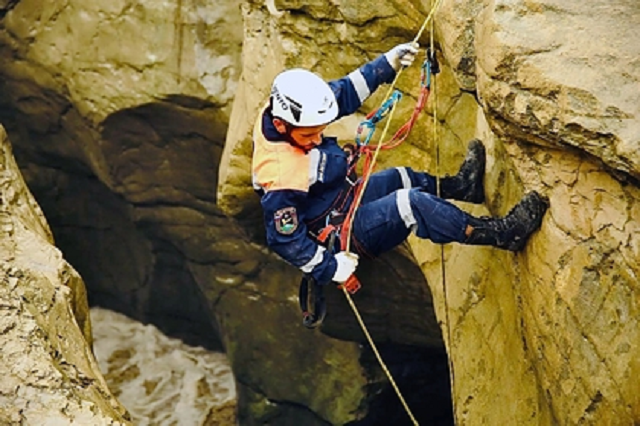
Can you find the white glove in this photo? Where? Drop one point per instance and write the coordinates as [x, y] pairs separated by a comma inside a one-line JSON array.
[[347, 263], [402, 55]]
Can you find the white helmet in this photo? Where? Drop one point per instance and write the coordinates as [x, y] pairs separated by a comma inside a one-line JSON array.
[[303, 99]]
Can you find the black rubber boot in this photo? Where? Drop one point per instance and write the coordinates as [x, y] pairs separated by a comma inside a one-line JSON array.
[[468, 184], [512, 231]]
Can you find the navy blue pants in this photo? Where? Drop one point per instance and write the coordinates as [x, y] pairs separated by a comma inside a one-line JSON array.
[[399, 201]]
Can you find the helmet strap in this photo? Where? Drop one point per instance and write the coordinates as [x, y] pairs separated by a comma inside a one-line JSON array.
[[286, 136]]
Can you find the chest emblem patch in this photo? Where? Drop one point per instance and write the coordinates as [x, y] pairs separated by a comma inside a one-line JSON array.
[[286, 220]]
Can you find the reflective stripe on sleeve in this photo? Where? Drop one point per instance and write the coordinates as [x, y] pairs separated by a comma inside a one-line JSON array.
[[360, 84], [317, 258], [314, 161]]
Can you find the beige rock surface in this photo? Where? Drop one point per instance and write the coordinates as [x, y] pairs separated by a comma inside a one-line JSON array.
[[127, 104], [75, 63], [49, 372], [552, 71], [550, 86], [540, 82]]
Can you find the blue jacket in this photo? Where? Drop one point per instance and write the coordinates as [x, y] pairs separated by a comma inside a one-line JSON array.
[[297, 187]]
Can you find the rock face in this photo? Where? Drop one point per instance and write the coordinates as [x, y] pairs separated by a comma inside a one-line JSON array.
[[139, 157], [562, 115], [49, 372], [142, 145]]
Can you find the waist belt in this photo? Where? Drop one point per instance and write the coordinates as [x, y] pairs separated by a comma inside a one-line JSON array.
[[310, 296], [335, 214]]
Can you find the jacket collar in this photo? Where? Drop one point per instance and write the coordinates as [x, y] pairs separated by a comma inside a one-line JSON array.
[[269, 130]]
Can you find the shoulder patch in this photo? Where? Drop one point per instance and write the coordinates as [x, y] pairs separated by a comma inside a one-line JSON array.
[[286, 220]]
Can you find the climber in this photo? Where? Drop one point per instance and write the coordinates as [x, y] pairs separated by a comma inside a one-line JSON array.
[[301, 176]]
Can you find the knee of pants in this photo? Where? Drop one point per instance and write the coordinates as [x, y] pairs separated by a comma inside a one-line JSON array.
[[414, 179], [432, 217]]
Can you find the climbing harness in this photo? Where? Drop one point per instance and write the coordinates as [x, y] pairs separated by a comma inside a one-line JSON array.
[[310, 296], [312, 303]]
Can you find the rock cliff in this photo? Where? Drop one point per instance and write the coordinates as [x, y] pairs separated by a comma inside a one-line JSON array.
[[49, 372], [131, 123]]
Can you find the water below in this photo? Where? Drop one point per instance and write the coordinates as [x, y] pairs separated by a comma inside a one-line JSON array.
[[160, 380]]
